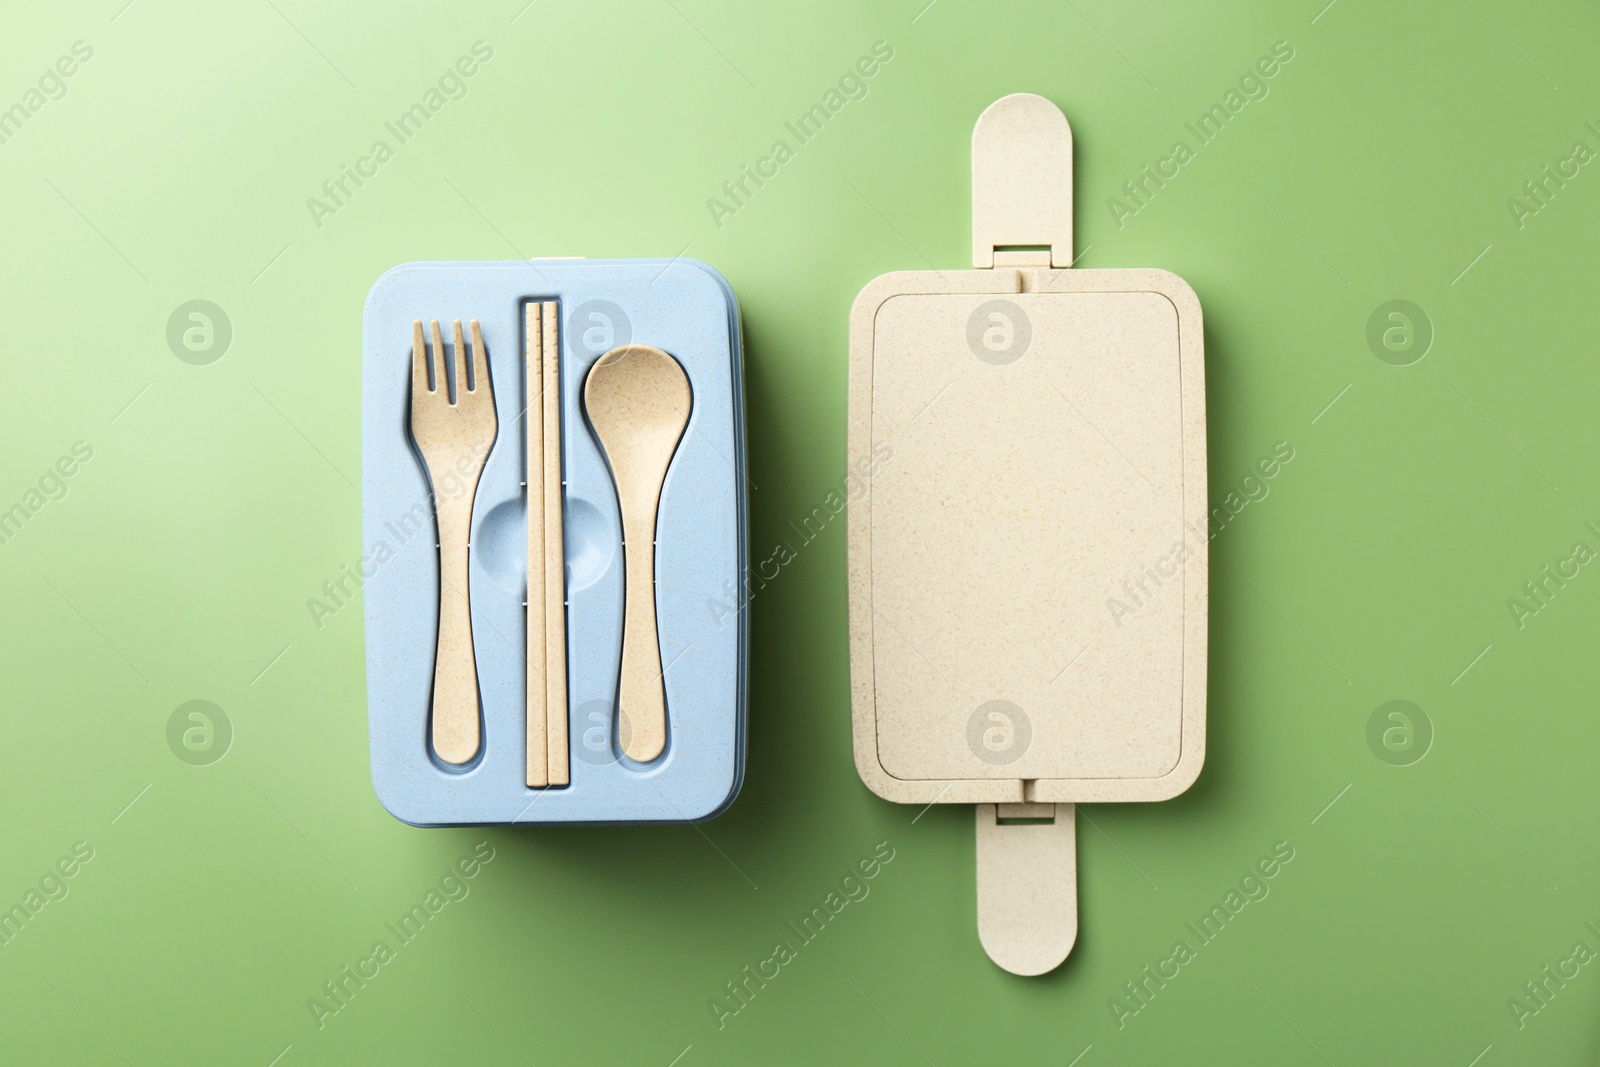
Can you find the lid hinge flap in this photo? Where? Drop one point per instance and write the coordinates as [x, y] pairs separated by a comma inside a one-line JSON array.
[[1022, 180], [1027, 885]]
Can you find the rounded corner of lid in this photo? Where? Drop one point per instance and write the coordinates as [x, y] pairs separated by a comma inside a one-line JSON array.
[[1182, 776]]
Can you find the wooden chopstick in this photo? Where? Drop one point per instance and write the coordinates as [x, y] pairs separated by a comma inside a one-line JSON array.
[[555, 570], [533, 422]]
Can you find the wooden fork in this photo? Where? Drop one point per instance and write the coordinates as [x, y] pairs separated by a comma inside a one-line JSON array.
[[453, 423]]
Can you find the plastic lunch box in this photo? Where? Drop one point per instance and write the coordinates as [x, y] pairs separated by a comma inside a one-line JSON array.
[[684, 308]]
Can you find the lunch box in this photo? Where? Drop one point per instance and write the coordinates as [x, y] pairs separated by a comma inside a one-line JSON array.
[[685, 309]]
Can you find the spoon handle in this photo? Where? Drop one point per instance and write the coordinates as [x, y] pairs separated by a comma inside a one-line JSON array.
[[641, 703]]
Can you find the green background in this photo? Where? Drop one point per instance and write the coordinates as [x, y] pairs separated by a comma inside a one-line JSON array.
[[178, 564]]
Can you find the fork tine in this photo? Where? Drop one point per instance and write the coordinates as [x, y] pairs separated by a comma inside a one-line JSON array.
[[480, 361], [460, 365], [440, 382], [419, 361]]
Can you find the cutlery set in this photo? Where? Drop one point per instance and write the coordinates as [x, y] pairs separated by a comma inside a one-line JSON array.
[[637, 399], [549, 656]]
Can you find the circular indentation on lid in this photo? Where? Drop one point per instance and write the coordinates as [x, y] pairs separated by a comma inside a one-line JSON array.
[[501, 545], [591, 545]]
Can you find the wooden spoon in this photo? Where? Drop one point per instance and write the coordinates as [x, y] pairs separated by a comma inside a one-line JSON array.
[[638, 401]]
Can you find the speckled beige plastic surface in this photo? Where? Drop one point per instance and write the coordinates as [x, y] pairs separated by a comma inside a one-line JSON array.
[[1027, 872], [453, 428], [1045, 430], [1020, 152], [547, 748], [638, 400], [558, 751], [533, 429], [1019, 500]]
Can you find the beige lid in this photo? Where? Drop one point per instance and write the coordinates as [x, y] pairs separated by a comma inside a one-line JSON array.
[[1028, 558]]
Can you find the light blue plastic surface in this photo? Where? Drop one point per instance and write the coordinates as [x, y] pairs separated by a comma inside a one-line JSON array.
[[680, 306]]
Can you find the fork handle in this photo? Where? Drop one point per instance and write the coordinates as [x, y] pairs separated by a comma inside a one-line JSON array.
[[456, 735]]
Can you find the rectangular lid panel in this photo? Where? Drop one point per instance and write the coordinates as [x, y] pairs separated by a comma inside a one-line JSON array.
[[1027, 539]]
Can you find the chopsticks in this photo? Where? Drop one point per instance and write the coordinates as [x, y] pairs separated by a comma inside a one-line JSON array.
[[547, 752]]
